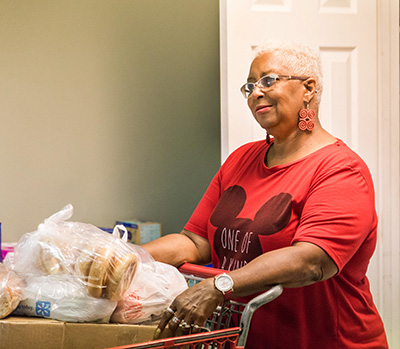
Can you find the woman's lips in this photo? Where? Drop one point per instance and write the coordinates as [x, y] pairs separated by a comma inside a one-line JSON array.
[[263, 108]]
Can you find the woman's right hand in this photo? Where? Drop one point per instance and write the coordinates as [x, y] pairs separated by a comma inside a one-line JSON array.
[[190, 309]]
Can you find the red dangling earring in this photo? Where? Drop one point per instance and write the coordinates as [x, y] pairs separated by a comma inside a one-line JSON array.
[[306, 119]]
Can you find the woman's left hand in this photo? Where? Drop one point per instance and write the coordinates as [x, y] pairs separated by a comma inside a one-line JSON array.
[[190, 309]]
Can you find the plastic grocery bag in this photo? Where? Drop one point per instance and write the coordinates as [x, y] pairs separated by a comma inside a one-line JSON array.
[[10, 290], [152, 290], [74, 271], [64, 298]]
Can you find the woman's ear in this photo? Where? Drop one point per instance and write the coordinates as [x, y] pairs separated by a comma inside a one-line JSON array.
[[310, 86]]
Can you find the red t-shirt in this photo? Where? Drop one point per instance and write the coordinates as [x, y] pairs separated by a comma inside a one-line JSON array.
[[325, 198]]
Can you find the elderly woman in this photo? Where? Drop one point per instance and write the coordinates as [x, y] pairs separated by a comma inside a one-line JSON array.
[[296, 209]]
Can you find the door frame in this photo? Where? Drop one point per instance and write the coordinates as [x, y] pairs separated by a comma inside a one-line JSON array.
[[387, 188]]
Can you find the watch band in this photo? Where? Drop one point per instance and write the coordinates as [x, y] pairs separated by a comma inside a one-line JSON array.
[[228, 295]]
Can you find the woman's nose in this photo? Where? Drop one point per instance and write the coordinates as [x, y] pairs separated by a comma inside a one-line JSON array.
[[257, 92]]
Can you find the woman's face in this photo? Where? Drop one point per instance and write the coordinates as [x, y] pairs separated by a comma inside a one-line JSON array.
[[275, 108]]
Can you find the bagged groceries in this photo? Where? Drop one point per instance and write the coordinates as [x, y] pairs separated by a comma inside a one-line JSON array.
[[102, 262], [76, 272], [10, 290], [152, 290], [64, 298]]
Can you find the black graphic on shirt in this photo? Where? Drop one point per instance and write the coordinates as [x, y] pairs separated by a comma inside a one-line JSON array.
[[236, 240]]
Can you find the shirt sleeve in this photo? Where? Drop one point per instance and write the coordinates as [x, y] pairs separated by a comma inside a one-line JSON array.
[[339, 213], [199, 220]]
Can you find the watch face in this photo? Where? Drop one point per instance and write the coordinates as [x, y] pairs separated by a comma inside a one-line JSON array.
[[224, 283]]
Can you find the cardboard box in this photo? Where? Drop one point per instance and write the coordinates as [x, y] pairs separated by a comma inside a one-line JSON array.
[[40, 333], [139, 232]]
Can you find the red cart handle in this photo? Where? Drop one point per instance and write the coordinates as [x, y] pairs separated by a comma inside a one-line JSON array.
[[199, 270]]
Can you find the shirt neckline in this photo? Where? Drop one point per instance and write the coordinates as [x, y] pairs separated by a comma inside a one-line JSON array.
[[338, 142]]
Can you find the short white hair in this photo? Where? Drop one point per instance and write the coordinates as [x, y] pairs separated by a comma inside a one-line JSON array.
[[302, 60]]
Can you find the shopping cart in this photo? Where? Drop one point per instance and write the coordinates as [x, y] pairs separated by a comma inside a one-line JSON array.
[[217, 332]]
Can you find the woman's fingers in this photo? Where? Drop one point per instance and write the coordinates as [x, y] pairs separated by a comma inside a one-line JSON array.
[[190, 309], [173, 325], [197, 328], [166, 317], [185, 327]]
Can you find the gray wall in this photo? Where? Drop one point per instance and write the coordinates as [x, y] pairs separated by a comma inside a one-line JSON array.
[[111, 105]]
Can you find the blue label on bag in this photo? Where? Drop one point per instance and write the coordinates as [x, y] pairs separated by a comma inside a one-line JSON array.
[[43, 308]]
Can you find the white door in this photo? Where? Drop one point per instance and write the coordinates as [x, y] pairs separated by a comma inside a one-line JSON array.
[[345, 32]]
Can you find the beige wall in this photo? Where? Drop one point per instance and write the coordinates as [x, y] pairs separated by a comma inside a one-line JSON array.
[[111, 105]]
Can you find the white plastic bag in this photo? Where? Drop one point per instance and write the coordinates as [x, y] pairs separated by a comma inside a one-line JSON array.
[[74, 271], [10, 290], [152, 290], [103, 262], [64, 298]]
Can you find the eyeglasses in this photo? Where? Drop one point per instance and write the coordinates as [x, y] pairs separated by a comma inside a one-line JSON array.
[[265, 82]]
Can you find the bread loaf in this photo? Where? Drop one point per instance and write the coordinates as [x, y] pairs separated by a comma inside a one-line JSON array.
[[98, 271], [121, 272], [10, 291]]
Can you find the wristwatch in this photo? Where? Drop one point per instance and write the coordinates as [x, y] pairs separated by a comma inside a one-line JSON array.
[[224, 284]]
